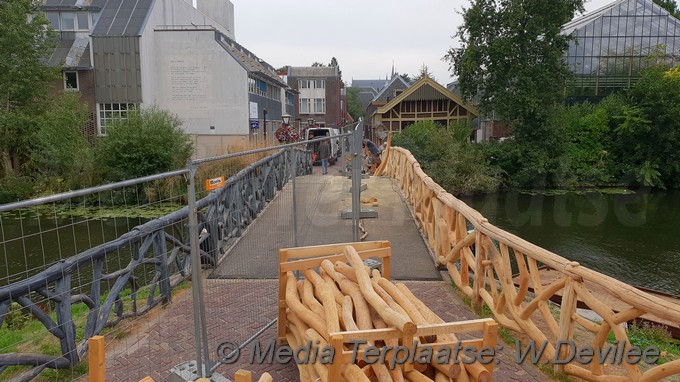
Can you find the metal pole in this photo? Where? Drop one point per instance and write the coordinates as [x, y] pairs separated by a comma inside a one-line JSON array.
[[356, 179], [200, 330], [294, 155]]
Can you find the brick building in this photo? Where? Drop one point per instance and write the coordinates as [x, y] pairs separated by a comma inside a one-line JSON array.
[[320, 95]]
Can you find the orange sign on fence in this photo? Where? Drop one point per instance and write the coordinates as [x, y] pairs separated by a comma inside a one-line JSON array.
[[214, 183]]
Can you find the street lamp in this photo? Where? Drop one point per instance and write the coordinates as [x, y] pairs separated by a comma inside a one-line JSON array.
[[310, 122], [286, 119]]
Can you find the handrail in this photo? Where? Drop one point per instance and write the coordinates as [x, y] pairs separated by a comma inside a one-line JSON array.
[[152, 246], [485, 275]]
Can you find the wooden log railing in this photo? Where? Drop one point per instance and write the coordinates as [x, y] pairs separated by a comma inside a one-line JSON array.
[[480, 258], [160, 247]]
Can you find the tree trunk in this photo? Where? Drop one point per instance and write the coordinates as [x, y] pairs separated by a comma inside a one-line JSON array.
[[6, 164]]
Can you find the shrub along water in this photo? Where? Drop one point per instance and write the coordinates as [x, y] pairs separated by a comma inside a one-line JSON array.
[[446, 154], [629, 139]]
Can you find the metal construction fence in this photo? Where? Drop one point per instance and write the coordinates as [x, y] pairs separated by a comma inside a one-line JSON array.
[[99, 260]]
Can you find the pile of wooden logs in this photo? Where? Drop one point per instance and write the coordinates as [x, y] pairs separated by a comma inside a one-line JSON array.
[[367, 324]]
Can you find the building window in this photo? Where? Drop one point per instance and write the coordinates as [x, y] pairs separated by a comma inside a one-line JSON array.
[[111, 111], [320, 105], [68, 22], [83, 21], [95, 18], [303, 84], [53, 18], [319, 84], [71, 81], [305, 104], [251, 86]]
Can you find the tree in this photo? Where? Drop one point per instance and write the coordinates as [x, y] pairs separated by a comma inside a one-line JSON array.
[[424, 72], [510, 63], [147, 142], [61, 150], [334, 63], [354, 107], [654, 133], [317, 64], [406, 77], [670, 5], [25, 41], [510, 57]]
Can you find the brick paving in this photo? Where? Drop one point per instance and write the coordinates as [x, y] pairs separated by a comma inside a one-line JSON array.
[[238, 308], [241, 298]]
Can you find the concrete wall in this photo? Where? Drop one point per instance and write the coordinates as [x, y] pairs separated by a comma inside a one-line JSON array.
[[195, 78], [181, 12], [221, 11], [188, 73]]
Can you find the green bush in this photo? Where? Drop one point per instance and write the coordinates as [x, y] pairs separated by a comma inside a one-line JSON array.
[[62, 156], [446, 155], [14, 188], [148, 141], [16, 318]]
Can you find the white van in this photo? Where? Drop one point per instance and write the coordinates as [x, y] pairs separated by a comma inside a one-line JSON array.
[[318, 132]]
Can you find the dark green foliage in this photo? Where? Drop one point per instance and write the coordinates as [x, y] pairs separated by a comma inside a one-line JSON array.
[[16, 317], [149, 141], [449, 158], [628, 140], [62, 152], [13, 188], [655, 128], [24, 79], [511, 64], [510, 58], [354, 107], [670, 5]]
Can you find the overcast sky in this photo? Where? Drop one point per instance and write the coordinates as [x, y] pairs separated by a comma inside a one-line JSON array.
[[365, 36]]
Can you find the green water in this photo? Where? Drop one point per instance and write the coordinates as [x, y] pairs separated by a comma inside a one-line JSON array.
[[634, 237], [31, 242]]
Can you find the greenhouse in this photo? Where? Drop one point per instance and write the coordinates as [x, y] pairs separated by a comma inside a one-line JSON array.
[[613, 44]]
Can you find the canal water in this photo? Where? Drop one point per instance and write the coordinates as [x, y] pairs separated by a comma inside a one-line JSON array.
[[31, 242], [632, 237]]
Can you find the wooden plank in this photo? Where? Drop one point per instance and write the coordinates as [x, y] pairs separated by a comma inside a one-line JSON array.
[[328, 249], [296, 265]]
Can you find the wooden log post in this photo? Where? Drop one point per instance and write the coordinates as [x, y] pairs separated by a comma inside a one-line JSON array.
[[65, 319], [243, 376], [478, 283], [96, 359], [393, 318]]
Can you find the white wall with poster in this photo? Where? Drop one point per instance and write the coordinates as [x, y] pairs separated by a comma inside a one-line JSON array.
[[199, 81], [186, 71]]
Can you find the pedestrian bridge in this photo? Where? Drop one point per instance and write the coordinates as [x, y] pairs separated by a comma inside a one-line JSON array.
[[436, 241]]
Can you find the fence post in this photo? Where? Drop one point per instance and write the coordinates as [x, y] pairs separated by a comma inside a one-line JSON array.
[[356, 179], [200, 329], [294, 158], [65, 319], [96, 359]]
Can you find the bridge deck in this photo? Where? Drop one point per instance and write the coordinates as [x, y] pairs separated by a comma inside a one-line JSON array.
[[320, 200], [241, 294]]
